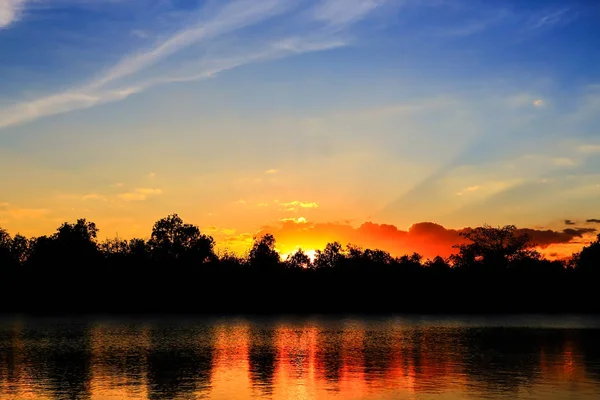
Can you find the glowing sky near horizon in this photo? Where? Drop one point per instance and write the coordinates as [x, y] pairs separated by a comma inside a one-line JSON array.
[[243, 114]]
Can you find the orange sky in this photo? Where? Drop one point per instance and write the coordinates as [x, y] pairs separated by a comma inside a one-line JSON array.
[[237, 228], [426, 238]]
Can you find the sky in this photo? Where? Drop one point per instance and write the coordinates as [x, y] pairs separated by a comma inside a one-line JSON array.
[[390, 124]]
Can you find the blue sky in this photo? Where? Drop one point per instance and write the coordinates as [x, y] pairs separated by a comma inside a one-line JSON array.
[[458, 112]]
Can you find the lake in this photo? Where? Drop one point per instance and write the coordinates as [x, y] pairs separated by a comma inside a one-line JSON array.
[[401, 357]]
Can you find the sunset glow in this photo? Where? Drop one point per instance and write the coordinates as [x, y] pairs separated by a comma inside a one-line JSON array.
[[316, 120]]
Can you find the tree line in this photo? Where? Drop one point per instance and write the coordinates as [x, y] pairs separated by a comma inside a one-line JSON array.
[[496, 269]]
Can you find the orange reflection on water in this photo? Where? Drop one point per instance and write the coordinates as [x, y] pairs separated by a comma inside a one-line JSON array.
[[113, 374], [293, 359], [230, 367], [296, 347]]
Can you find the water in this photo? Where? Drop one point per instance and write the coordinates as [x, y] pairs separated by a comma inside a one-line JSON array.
[[301, 358]]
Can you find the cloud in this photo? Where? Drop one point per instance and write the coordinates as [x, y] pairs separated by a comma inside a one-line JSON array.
[[148, 191], [58, 104], [295, 205], [231, 17], [139, 194], [10, 12], [342, 12], [551, 18], [593, 221], [119, 81], [299, 220], [590, 148], [569, 222], [538, 103], [563, 162], [545, 238], [93, 196], [240, 241], [578, 232], [271, 171], [468, 189], [475, 25], [23, 213]]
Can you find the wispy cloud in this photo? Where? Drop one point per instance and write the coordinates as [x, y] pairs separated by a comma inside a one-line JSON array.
[[590, 148], [338, 13], [93, 196], [123, 79], [139, 194], [299, 220], [551, 18], [295, 205], [469, 189], [475, 25], [7, 211], [231, 17], [10, 12]]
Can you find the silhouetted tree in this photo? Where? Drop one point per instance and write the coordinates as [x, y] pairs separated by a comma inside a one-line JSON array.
[[6, 257], [298, 260], [20, 248], [330, 257], [230, 261], [410, 263], [263, 255], [496, 269], [493, 247], [373, 260], [437, 264], [378, 257], [72, 244], [588, 260], [173, 240], [115, 248]]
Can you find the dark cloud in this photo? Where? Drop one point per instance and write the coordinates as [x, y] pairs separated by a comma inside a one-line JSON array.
[[545, 238], [593, 221], [569, 222], [579, 232]]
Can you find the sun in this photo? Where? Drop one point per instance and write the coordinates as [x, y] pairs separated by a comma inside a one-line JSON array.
[[311, 253]]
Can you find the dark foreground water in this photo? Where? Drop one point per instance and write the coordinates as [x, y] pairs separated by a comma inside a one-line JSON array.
[[301, 358]]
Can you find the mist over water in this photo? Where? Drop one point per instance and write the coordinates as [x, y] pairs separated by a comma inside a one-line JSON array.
[[419, 357]]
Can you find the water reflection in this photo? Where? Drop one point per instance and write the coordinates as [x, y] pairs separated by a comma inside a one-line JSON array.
[[296, 359], [56, 358]]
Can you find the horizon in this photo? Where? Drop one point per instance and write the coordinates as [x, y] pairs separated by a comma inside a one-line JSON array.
[[317, 120], [427, 239]]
